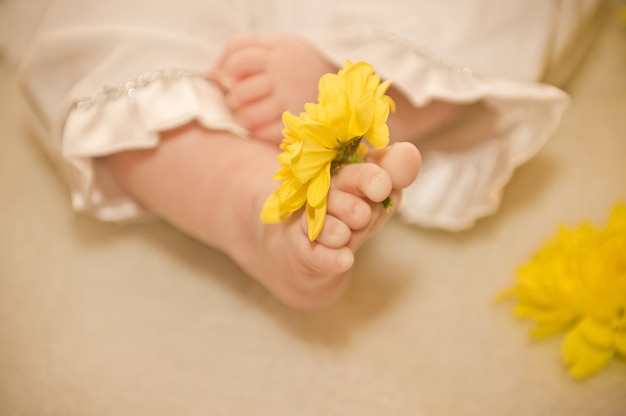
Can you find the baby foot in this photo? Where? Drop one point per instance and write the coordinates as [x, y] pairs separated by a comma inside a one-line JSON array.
[[265, 75], [308, 275]]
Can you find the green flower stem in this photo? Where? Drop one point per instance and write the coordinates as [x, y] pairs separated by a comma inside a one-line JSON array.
[[388, 204], [355, 158]]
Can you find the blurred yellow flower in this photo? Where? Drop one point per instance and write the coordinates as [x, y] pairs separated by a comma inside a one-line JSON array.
[[577, 283], [352, 105]]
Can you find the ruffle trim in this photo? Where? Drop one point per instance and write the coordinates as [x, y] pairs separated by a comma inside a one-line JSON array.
[[112, 123]]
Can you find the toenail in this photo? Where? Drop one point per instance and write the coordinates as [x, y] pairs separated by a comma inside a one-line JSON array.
[[378, 186], [376, 178], [339, 232], [344, 259], [359, 211]]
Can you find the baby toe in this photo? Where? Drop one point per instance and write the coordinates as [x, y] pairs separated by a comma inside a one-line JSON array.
[[335, 233], [365, 180], [349, 208], [401, 161], [248, 90]]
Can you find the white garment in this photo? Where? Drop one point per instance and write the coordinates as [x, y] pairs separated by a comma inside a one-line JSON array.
[[481, 51]]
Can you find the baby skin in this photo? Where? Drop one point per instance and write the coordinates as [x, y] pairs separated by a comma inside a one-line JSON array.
[[219, 202]]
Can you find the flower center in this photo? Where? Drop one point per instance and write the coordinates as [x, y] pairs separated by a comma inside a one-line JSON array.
[[347, 153]]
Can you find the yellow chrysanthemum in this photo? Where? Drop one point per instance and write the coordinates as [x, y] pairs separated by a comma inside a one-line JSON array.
[[577, 283], [352, 105]]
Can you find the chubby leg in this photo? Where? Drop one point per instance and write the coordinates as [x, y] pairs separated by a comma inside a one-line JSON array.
[[212, 186], [265, 74]]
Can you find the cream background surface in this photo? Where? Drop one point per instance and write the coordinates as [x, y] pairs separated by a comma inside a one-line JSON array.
[[99, 319]]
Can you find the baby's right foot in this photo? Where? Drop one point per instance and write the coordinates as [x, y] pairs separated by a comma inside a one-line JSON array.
[[305, 274]]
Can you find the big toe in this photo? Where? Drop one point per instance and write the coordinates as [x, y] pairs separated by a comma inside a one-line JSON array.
[[402, 161]]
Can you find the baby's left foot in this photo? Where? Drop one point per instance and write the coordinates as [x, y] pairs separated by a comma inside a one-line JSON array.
[[264, 75]]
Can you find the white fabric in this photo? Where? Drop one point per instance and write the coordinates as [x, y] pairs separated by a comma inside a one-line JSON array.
[[481, 51]]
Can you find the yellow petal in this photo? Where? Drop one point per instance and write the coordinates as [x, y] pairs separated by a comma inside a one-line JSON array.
[[312, 160], [362, 116], [318, 133], [378, 133], [373, 84], [597, 334], [291, 124], [284, 158], [382, 89], [272, 211], [334, 115], [356, 78], [316, 216], [583, 358], [617, 218], [381, 111], [292, 194], [318, 187], [378, 136], [620, 342], [544, 330], [327, 85], [390, 102]]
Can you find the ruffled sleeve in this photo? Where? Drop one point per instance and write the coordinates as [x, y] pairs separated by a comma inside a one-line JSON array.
[[131, 118], [103, 77], [466, 166]]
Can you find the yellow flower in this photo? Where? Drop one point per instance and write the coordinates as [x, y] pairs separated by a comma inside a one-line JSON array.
[[352, 105], [577, 283]]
